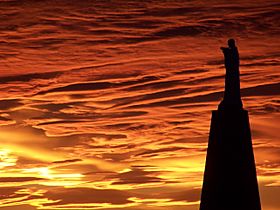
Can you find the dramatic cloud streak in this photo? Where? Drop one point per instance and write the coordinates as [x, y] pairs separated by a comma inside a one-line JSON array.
[[107, 105]]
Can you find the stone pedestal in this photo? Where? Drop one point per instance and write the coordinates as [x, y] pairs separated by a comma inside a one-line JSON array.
[[230, 181]]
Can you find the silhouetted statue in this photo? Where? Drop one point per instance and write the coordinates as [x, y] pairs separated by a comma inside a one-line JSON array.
[[230, 180], [232, 99]]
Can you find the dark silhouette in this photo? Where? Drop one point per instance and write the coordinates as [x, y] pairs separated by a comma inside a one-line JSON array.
[[230, 181], [232, 99]]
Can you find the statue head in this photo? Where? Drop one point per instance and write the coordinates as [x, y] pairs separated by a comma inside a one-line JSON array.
[[231, 43]]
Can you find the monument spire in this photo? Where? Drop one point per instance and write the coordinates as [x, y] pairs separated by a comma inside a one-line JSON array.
[[230, 180]]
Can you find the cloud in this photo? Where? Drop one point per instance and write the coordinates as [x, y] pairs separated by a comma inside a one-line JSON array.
[[260, 90], [29, 77], [19, 207], [110, 108], [68, 161], [19, 179], [7, 104], [96, 85], [9, 192], [161, 151], [135, 176], [64, 196], [189, 195], [180, 31]]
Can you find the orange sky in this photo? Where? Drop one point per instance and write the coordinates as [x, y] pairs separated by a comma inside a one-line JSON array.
[[107, 105]]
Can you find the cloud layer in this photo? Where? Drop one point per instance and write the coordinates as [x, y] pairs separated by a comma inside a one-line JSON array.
[[106, 105]]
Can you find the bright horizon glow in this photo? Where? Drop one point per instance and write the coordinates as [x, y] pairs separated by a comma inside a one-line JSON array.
[[106, 105]]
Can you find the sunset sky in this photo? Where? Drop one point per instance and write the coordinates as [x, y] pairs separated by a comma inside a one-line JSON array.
[[106, 104]]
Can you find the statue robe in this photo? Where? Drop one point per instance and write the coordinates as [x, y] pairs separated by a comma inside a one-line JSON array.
[[232, 98]]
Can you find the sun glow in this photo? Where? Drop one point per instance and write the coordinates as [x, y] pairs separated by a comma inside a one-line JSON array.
[[6, 158], [48, 173]]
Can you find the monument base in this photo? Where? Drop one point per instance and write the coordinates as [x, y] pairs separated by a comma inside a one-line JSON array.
[[230, 181]]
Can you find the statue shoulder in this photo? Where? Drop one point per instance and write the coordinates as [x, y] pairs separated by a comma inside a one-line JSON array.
[[225, 50]]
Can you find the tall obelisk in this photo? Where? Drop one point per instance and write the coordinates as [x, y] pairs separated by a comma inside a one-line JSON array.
[[230, 180]]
